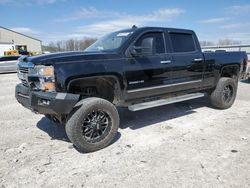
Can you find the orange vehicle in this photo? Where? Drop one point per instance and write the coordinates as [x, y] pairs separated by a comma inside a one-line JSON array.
[[11, 53], [12, 50]]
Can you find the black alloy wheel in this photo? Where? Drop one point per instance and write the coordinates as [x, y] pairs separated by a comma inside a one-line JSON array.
[[96, 126], [223, 96], [93, 125], [227, 93]]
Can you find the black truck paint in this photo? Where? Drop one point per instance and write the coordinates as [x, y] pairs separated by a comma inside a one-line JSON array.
[[132, 78]]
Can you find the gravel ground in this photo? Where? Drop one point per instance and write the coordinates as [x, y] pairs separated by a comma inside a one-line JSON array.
[[188, 144]]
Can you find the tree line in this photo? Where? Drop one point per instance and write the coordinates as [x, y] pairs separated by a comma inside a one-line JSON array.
[[69, 45], [221, 42]]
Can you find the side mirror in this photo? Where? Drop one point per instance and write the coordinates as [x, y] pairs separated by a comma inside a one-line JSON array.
[[140, 50]]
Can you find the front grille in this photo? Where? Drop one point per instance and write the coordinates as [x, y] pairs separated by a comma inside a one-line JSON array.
[[25, 83], [23, 70]]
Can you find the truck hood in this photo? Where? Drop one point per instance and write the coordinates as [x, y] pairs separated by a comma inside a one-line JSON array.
[[62, 57]]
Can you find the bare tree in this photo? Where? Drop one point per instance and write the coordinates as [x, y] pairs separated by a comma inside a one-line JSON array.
[[69, 45], [51, 47], [59, 45], [207, 43], [227, 41], [87, 43]]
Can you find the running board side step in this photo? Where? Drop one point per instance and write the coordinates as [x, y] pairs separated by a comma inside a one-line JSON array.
[[161, 102]]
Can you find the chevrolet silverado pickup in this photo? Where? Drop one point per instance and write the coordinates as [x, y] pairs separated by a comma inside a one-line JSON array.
[[137, 68]]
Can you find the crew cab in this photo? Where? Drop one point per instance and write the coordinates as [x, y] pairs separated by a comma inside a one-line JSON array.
[[137, 68]]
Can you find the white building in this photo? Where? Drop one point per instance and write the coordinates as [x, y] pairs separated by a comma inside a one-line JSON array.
[[19, 41]]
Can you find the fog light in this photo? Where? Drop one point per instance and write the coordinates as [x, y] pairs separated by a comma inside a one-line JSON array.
[[48, 86], [43, 102]]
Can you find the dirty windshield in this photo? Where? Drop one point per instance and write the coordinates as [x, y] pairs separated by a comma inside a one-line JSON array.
[[109, 42]]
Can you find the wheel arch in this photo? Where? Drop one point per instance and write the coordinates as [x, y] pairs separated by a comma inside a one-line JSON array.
[[230, 71], [108, 84]]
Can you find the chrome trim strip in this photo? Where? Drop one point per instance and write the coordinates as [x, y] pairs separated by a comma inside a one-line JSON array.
[[24, 96], [198, 59], [162, 86], [166, 62]]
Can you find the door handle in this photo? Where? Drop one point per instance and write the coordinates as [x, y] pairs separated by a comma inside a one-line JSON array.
[[166, 62], [198, 59]]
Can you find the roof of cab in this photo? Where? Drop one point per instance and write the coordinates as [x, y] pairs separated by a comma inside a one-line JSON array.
[[167, 29], [147, 28]]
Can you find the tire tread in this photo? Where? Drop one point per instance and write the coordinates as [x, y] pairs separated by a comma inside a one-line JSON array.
[[216, 96], [73, 134]]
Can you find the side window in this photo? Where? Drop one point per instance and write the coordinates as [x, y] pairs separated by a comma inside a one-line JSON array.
[[151, 43], [182, 42]]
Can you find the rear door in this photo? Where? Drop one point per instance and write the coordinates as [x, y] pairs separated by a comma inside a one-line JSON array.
[[187, 61]]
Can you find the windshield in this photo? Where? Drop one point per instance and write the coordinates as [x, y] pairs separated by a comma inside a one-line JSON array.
[[109, 42]]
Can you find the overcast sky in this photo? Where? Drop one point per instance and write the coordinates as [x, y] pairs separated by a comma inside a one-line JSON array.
[[51, 20]]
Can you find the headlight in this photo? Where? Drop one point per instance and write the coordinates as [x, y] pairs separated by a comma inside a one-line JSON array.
[[42, 71], [46, 71], [46, 77]]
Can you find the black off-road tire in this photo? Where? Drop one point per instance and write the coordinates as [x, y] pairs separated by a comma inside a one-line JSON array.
[[218, 98], [76, 125]]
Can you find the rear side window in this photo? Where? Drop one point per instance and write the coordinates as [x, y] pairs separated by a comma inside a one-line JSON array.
[[182, 42]]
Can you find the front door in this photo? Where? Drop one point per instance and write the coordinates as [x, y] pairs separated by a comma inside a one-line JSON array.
[[150, 69]]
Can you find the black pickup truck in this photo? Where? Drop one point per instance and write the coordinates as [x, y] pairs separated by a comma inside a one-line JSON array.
[[137, 68]]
